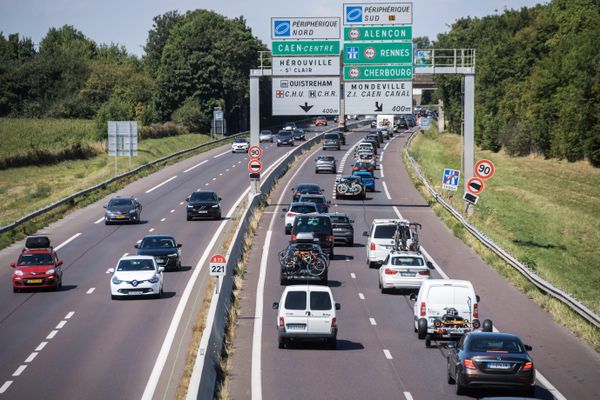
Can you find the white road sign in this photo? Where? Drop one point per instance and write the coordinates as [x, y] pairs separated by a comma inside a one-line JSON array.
[[309, 66], [378, 97], [305, 28], [122, 138], [378, 13], [306, 96]]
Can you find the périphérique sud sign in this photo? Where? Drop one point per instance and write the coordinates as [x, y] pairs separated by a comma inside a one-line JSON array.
[[378, 13]]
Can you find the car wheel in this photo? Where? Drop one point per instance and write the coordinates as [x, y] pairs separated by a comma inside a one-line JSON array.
[[113, 297], [460, 389], [332, 343], [428, 340], [189, 218], [15, 290], [281, 343], [422, 328], [218, 216], [451, 380], [351, 243], [106, 223], [487, 325]]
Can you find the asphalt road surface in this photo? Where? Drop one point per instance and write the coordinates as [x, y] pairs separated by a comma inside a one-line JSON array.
[[378, 354]]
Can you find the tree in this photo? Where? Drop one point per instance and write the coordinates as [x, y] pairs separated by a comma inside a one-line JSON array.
[[157, 38]]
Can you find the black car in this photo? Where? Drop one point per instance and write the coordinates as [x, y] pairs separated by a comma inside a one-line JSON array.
[[203, 204], [305, 188], [402, 124], [491, 360], [350, 186], [343, 231], [298, 134], [285, 138], [163, 248], [321, 228], [122, 209], [376, 137]]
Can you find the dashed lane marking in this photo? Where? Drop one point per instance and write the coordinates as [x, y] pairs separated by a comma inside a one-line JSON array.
[[352, 275], [41, 346], [387, 354], [66, 242], [90, 291], [195, 166], [19, 370], [161, 184], [361, 296], [69, 314], [172, 211], [99, 220], [408, 396], [51, 335], [372, 321], [222, 154], [31, 357], [61, 324], [151, 230], [5, 386], [163, 219]]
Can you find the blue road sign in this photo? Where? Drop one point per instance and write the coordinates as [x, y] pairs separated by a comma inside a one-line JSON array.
[[354, 14], [352, 53], [450, 179], [282, 28], [425, 122]]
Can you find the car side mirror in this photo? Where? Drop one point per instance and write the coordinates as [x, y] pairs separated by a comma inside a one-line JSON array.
[[220, 199], [477, 298], [136, 246], [161, 269], [284, 209], [187, 199], [322, 190], [111, 270], [412, 297], [59, 263], [179, 245], [13, 264], [104, 206], [430, 265], [365, 233], [351, 221], [338, 306], [275, 306], [293, 189], [528, 347]]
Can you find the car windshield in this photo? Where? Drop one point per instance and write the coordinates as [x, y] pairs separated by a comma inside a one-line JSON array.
[[265, 133], [34, 259], [363, 173], [285, 134], [495, 345], [312, 224], [313, 199], [385, 231], [304, 209], [320, 301], [136, 265], [157, 242], [295, 300], [338, 219], [120, 202], [408, 261], [240, 140], [204, 196]]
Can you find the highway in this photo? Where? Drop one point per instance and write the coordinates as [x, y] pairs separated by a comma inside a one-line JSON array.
[[79, 344], [378, 354]]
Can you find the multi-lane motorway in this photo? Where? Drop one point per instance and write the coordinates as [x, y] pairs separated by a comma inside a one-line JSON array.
[[378, 354]]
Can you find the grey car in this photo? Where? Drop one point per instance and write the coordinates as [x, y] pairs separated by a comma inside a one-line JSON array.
[[331, 141], [325, 163], [122, 209], [343, 231], [266, 136]]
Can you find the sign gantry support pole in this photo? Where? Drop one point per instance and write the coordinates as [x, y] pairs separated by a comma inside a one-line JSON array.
[[469, 128], [255, 75]]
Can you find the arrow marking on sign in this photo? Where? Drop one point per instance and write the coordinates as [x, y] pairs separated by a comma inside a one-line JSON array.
[[378, 107], [306, 107]]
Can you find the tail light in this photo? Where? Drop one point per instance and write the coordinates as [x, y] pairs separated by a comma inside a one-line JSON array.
[[528, 366], [281, 322], [291, 214], [468, 363], [334, 323], [388, 271], [475, 310], [426, 272], [330, 238], [423, 309], [372, 246], [293, 237]]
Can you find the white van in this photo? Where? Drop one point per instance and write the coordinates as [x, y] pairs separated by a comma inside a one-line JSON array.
[[380, 240], [447, 309], [307, 312]]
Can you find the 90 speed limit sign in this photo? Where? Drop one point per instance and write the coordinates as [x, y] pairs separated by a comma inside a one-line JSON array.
[[484, 169]]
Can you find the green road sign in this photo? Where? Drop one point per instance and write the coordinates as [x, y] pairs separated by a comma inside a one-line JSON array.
[[382, 33], [378, 53], [306, 48], [378, 72]]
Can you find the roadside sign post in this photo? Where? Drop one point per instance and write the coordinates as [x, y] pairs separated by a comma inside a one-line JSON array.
[[217, 266], [450, 179], [122, 140]]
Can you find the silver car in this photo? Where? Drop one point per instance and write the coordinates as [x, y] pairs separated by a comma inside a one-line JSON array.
[[325, 163], [266, 136]]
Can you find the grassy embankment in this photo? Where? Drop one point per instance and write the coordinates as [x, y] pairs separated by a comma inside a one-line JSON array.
[[544, 212]]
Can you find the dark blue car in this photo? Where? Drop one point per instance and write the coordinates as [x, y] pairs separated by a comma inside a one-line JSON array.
[[367, 179]]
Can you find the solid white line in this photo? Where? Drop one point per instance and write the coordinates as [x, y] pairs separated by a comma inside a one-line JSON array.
[[151, 230], [31, 357], [386, 146], [195, 166], [222, 154], [163, 219], [352, 275], [160, 184], [5, 386], [19, 370], [41, 346], [51, 335], [381, 171], [66, 242], [70, 314], [387, 354], [408, 396], [361, 296], [90, 291], [550, 387], [61, 324], [372, 321], [100, 220], [385, 189]]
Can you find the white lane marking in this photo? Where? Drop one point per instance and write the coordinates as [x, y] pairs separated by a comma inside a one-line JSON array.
[[195, 166], [206, 184], [31, 357], [385, 189], [181, 203], [214, 179], [161, 184], [220, 174], [361, 296], [66, 242], [381, 171], [387, 354], [41, 346], [125, 254], [227, 170], [222, 154], [51, 335], [386, 146], [100, 220], [151, 230], [138, 241], [233, 166], [70, 314], [372, 321], [108, 271], [19, 370], [90, 291], [5, 386], [172, 211], [352, 275], [163, 219], [408, 396], [61, 324]]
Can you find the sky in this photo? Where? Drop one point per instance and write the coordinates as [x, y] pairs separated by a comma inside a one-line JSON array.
[[127, 22]]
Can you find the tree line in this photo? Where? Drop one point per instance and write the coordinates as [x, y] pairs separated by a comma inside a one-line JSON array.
[[537, 80], [192, 63]]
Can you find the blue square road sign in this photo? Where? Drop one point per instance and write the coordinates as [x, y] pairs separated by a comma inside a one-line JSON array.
[[450, 179], [354, 14], [282, 28]]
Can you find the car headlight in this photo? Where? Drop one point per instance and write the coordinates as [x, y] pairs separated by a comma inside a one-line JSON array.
[[154, 279], [173, 255], [50, 271], [18, 272], [116, 280], [215, 206], [132, 211]]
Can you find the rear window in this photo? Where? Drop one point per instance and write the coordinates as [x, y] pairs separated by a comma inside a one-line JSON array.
[[339, 220], [304, 209], [295, 301], [385, 231], [331, 136], [408, 261], [312, 224], [320, 301], [315, 199], [488, 345], [440, 294]]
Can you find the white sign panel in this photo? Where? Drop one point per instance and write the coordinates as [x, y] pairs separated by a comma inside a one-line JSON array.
[[122, 138], [378, 97], [306, 66], [306, 96], [378, 13], [305, 28]]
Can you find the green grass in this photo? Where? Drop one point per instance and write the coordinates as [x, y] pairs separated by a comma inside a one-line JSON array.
[[544, 212]]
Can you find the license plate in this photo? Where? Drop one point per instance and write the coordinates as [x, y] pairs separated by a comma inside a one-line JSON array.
[[120, 217], [337, 229], [202, 212], [296, 326], [407, 274], [135, 292], [495, 365], [34, 281]]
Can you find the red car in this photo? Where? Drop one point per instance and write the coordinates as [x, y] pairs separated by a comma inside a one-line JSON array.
[[320, 121], [38, 266]]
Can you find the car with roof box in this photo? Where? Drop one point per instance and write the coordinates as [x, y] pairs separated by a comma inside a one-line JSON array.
[[38, 266]]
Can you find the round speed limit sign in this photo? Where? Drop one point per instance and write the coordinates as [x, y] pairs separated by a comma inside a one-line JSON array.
[[484, 169]]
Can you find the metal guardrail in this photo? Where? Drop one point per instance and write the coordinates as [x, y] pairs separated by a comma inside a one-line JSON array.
[[531, 276]]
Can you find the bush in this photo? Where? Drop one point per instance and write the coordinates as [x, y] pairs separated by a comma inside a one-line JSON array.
[[115, 109], [189, 115], [161, 130]]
